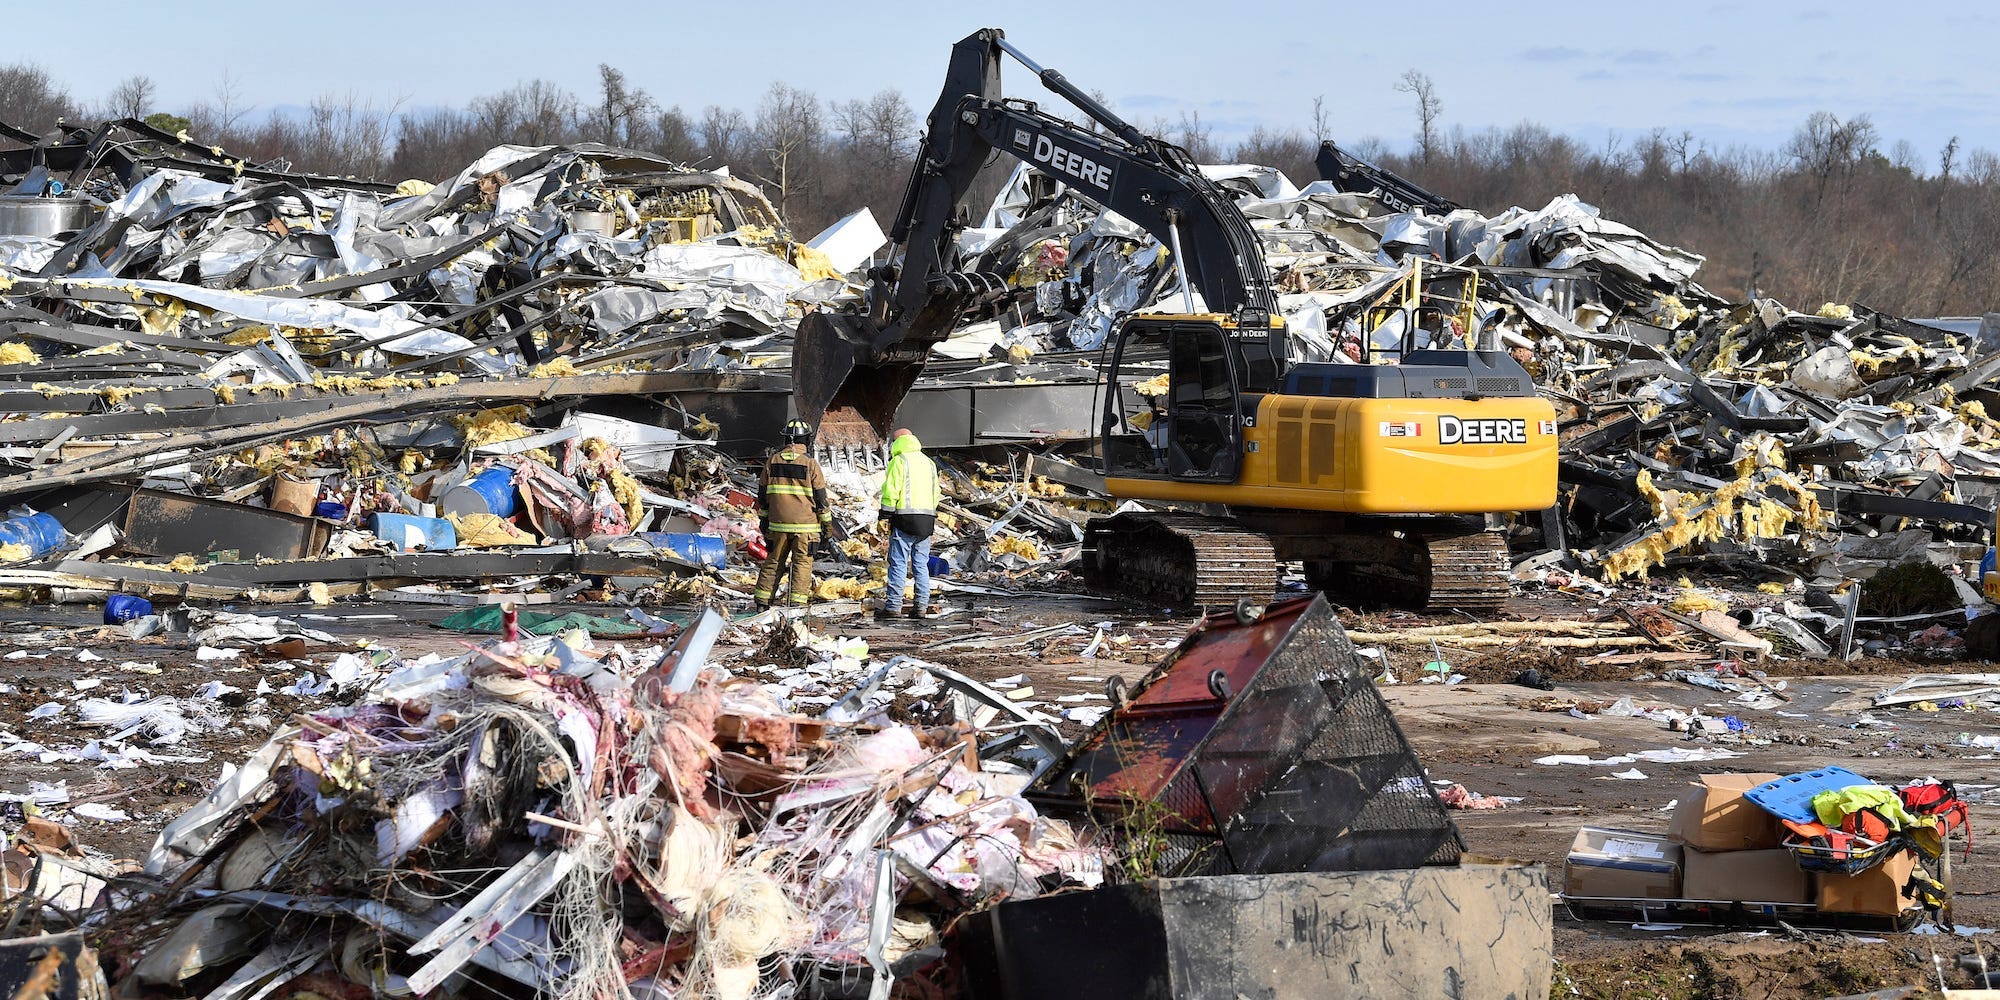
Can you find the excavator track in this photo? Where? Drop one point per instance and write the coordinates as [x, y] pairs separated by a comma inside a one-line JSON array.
[[1470, 572], [1189, 561], [1180, 560]]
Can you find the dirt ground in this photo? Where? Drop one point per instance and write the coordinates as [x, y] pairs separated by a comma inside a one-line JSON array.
[[1484, 733]]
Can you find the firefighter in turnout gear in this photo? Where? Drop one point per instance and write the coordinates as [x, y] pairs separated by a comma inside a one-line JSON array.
[[793, 515]]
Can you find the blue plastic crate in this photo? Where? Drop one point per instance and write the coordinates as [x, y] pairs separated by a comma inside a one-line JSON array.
[[1790, 797]]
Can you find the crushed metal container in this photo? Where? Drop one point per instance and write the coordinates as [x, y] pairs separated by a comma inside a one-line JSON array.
[[27, 216], [163, 524], [1269, 748]]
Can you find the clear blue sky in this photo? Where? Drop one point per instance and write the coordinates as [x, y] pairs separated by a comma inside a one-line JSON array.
[[1732, 72]]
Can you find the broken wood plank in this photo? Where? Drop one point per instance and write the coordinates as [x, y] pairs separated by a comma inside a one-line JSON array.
[[1480, 641], [1628, 659], [365, 408]]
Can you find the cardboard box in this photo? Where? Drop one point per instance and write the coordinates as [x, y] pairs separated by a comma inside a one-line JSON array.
[[1769, 876], [1714, 815], [1876, 892], [1622, 864]]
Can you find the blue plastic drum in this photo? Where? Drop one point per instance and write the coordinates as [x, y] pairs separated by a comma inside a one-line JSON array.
[[121, 608], [708, 550], [41, 534], [490, 492], [410, 533]]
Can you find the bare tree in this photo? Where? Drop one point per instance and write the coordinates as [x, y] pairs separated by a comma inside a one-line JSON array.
[[879, 128], [216, 120], [1946, 158], [1197, 138], [673, 135], [1322, 120], [435, 143], [1289, 151], [1903, 155], [132, 98], [229, 107], [535, 113], [722, 134], [1826, 147], [620, 106], [1371, 148], [1684, 148], [789, 131], [1429, 108], [346, 134], [30, 98], [550, 113], [868, 158]]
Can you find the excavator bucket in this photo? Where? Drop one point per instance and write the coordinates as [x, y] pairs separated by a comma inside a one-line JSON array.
[[842, 386]]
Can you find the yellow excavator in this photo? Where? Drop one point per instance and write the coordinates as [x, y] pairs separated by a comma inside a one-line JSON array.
[[1377, 477]]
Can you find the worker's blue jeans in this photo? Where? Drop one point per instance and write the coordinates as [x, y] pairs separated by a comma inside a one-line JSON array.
[[908, 553]]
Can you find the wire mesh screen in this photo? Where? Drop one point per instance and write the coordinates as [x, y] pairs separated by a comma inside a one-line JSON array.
[[1342, 791], [1301, 769]]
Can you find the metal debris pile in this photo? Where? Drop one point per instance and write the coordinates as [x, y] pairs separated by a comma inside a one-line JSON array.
[[755, 812], [552, 368], [560, 818], [1807, 450], [225, 381]]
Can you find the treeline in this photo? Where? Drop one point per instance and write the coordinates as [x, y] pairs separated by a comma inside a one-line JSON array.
[[817, 160], [1830, 216]]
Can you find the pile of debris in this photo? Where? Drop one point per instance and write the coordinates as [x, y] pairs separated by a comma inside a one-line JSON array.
[[225, 381], [555, 817], [565, 353], [1807, 450], [1695, 430], [567, 816]]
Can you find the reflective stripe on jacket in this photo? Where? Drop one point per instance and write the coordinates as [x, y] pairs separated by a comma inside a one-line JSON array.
[[910, 485], [910, 491], [792, 496]]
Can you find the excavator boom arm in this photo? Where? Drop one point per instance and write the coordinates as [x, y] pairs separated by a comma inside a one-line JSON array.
[[1355, 175], [869, 362]]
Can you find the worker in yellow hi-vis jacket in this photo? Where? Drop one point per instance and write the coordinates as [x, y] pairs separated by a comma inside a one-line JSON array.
[[793, 515], [910, 496]]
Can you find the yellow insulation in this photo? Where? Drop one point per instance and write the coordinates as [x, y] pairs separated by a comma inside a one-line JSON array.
[[1739, 510], [844, 589]]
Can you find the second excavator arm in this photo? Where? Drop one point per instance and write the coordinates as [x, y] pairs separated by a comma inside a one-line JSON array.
[[866, 362], [1352, 174]]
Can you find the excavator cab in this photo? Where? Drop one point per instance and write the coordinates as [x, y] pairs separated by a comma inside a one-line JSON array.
[[1172, 405]]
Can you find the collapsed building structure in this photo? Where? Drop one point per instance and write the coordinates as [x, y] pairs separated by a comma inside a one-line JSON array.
[[305, 359]]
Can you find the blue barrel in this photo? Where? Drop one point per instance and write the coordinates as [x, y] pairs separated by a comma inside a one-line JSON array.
[[410, 533], [490, 492], [121, 608], [1986, 564], [939, 566], [708, 550], [40, 533]]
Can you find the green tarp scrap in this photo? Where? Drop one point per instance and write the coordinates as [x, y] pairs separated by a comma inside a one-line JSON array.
[[486, 619]]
